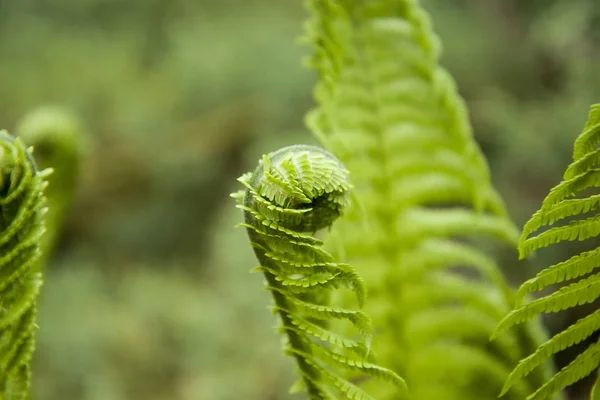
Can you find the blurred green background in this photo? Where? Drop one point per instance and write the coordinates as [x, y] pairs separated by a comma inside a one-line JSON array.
[[148, 295]]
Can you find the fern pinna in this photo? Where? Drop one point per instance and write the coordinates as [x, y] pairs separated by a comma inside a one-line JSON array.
[[567, 201], [293, 193], [393, 116], [22, 206]]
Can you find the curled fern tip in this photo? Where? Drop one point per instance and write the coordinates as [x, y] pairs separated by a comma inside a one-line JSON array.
[[293, 193]]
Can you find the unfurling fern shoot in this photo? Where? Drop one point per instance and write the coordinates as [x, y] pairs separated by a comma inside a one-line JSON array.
[[565, 201], [293, 193], [22, 206]]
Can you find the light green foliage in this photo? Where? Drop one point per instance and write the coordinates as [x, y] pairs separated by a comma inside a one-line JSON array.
[[57, 139], [296, 191], [567, 214], [22, 207], [223, 86], [394, 117]]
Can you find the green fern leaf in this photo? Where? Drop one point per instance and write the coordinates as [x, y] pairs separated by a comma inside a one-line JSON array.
[[589, 139], [444, 288], [462, 324], [393, 116], [576, 333], [477, 374], [580, 175], [576, 294], [572, 268], [585, 363], [22, 207], [59, 143]]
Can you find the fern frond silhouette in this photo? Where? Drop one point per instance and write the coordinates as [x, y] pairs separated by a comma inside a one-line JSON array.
[[393, 116], [566, 201], [293, 193], [22, 206]]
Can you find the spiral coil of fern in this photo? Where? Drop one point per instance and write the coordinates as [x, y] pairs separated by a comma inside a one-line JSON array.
[[22, 206], [567, 200], [294, 192]]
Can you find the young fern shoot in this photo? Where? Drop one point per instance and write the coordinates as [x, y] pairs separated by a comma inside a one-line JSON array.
[[22, 206], [565, 200], [293, 193]]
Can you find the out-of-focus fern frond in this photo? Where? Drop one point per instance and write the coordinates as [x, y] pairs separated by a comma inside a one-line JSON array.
[[394, 118], [58, 142], [566, 200], [22, 207], [293, 193]]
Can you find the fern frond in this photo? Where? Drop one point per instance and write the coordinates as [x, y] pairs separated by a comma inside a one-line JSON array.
[[574, 334], [580, 175], [59, 142], [293, 193], [434, 254], [576, 294], [394, 117], [448, 288], [590, 137], [572, 268], [22, 207], [477, 373], [583, 365], [462, 324]]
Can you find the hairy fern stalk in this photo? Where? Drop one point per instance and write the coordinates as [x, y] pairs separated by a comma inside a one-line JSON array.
[[293, 193], [22, 206], [568, 213], [393, 116]]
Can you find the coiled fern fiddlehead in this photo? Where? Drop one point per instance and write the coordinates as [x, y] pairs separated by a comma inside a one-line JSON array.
[[566, 201], [293, 193], [22, 206]]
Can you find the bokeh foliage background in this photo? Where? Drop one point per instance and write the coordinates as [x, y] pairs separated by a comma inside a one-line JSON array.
[[148, 295]]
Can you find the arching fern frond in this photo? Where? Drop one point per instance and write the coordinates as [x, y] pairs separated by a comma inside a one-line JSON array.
[[394, 117], [22, 207], [563, 202], [293, 193]]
